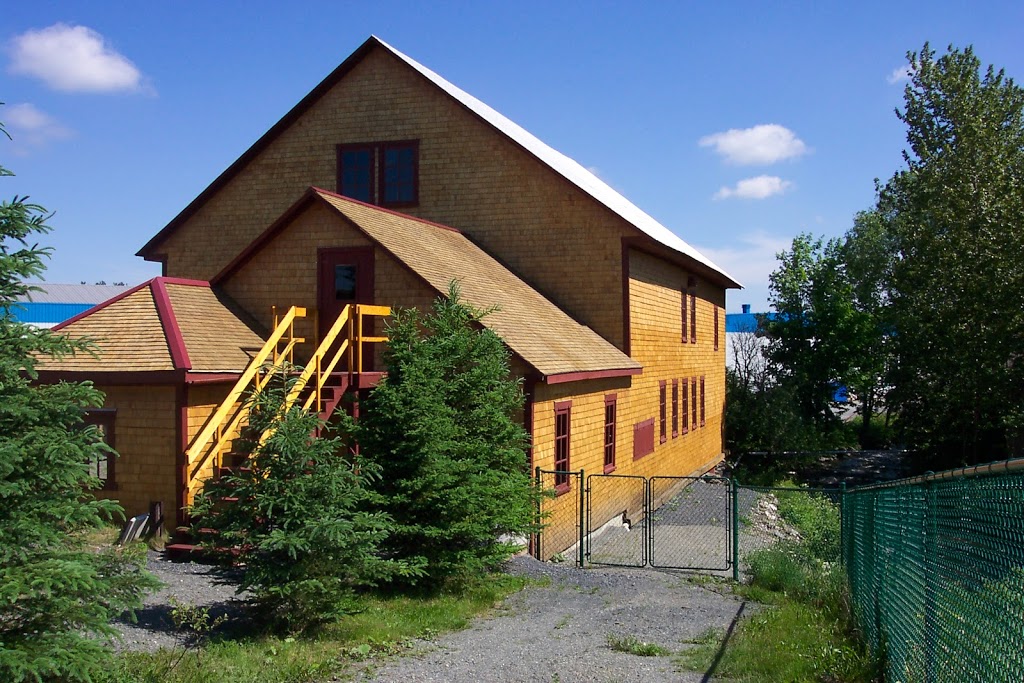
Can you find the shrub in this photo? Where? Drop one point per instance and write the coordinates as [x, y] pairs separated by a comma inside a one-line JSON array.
[[452, 459], [301, 524]]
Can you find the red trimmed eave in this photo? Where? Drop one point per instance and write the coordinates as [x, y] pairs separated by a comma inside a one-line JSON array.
[[165, 311], [148, 251], [113, 377], [562, 377], [100, 306], [286, 218]]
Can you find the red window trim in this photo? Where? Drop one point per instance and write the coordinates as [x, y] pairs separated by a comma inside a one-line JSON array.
[[382, 184], [716, 327], [686, 337], [702, 415], [686, 405], [693, 399], [106, 417], [662, 413], [377, 172], [675, 408], [356, 147], [641, 449], [609, 445], [563, 481]]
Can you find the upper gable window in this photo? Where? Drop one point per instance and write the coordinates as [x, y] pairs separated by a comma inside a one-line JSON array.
[[382, 173]]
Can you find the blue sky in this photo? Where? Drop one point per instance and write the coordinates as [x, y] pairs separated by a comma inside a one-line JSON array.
[[737, 125]]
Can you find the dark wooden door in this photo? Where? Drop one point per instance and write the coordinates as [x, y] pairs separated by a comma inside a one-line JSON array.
[[345, 276]]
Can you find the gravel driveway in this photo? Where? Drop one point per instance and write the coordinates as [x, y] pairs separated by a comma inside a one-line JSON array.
[[558, 632]]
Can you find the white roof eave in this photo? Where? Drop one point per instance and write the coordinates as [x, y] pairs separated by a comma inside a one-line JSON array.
[[568, 168]]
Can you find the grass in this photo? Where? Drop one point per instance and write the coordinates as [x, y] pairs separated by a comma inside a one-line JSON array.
[[385, 624], [634, 646], [805, 631]]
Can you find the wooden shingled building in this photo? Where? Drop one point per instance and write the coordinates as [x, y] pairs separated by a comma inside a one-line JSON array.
[[615, 324]]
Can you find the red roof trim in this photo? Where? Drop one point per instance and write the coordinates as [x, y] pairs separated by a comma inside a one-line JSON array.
[[99, 306], [320, 190], [164, 309], [289, 215], [112, 377], [147, 251], [563, 377], [211, 377]]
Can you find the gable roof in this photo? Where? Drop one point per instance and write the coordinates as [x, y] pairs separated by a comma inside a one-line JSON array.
[[569, 169], [535, 329], [164, 324]]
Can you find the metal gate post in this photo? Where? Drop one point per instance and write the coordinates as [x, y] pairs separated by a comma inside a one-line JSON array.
[[540, 509], [842, 523], [583, 531], [735, 529]]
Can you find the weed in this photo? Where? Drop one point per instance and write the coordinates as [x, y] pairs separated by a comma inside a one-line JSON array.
[[632, 645], [564, 621]]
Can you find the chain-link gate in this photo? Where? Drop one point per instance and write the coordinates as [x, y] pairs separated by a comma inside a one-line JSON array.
[[665, 522], [561, 514]]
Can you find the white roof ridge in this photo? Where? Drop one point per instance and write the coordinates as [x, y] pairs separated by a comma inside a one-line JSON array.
[[569, 168]]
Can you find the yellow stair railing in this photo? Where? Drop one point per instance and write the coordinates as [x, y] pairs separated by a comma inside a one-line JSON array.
[[203, 456]]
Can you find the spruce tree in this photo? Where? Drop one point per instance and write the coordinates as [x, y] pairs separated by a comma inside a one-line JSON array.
[[441, 428], [56, 596]]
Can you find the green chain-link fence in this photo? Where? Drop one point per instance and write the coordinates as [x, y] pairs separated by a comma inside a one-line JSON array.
[[936, 567]]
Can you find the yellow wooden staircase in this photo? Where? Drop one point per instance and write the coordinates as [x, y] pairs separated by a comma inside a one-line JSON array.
[[318, 387]]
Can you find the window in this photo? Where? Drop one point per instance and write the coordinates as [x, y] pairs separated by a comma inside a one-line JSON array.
[[643, 438], [683, 308], [675, 408], [562, 443], [702, 400], [609, 433], [693, 399], [382, 173], [716, 327], [686, 406], [102, 467], [693, 316], [661, 414]]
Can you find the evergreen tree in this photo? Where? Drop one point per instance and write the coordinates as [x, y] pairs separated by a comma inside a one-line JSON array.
[[56, 597], [441, 428], [302, 524]]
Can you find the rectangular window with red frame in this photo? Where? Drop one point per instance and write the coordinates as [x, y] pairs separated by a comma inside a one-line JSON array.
[[686, 406], [675, 408], [693, 316], [693, 399], [563, 422], [381, 173], [702, 422], [609, 433], [663, 421], [102, 466], [682, 310], [716, 327]]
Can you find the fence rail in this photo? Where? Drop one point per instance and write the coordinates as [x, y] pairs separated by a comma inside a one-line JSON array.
[[936, 568]]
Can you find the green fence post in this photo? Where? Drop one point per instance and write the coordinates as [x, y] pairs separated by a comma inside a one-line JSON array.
[[930, 622], [579, 548], [842, 523], [735, 530]]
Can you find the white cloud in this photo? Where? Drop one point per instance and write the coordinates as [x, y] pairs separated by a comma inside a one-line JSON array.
[[899, 74], [759, 187], [763, 144], [73, 59], [750, 259], [29, 126]]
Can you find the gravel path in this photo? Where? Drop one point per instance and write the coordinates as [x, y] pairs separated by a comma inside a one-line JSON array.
[[186, 582], [558, 632]]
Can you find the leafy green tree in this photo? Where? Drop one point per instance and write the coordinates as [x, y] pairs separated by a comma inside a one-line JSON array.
[[954, 218], [56, 596], [440, 427], [816, 334], [300, 520]]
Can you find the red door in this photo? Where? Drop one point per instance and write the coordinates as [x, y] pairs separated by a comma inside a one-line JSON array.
[[345, 276]]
